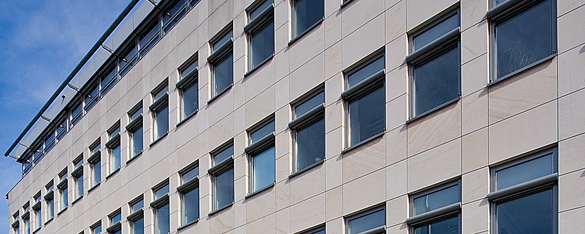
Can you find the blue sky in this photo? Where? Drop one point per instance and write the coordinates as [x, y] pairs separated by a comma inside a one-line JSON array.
[[41, 42]]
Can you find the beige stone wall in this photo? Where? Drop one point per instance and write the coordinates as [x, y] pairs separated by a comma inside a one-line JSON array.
[[538, 108]]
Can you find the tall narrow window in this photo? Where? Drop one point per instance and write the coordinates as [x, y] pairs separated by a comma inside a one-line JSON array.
[[50, 201], [308, 127], [260, 30], [115, 224], [222, 172], [16, 223], [63, 191], [135, 130], [437, 210], [189, 88], [160, 110], [77, 175], [366, 102], [160, 207], [306, 14], [96, 228], [435, 65], [26, 218], [37, 212], [222, 62], [113, 146], [524, 195], [189, 190], [261, 156], [95, 163], [136, 216], [372, 222]]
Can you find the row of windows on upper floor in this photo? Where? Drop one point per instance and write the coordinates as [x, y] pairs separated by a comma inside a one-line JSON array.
[[434, 61]]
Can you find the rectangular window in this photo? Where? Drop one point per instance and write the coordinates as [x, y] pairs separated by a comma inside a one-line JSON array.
[[308, 127], [189, 191], [26, 219], [108, 80], [77, 175], [261, 156], [37, 212], [50, 201], [160, 110], [174, 13], [524, 194], [16, 224], [63, 192], [95, 163], [161, 209], [222, 172], [135, 130], [92, 97], [96, 228], [306, 15], [523, 33], [136, 217], [61, 129], [222, 62], [113, 146], [189, 88], [372, 222], [260, 31], [366, 102], [435, 65], [437, 210], [115, 224]]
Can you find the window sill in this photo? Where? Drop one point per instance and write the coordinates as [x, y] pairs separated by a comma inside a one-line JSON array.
[[220, 93], [260, 190], [63, 210], [434, 109], [48, 221], [305, 32], [113, 173], [76, 200], [220, 209], [259, 65], [187, 118], [159, 139], [92, 188], [305, 169], [132, 159], [187, 225], [363, 142], [522, 69]]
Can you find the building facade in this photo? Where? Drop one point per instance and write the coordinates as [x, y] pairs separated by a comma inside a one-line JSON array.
[[317, 116]]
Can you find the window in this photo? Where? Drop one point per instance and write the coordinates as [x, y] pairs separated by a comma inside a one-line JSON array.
[[371, 222], [135, 130], [16, 224], [189, 88], [524, 195], [37, 212], [222, 172], [260, 30], [115, 224], [318, 230], [435, 65], [92, 97], [436, 210], [306, 15], [523, 33], [189, 191], [366, 102], [77, 175], [26, 218], [308, 127], [61, 129], [160, 110], [160, 207], [108, 80], [63, 192], [174, 13], [136, 216], [222, 62], [95, 163], [96, 228], [261, 157], [50, 201], [76, 114], [113, 146]]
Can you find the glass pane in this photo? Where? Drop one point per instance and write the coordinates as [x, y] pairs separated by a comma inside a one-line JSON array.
[[263, 169], [65, 196], [444, 226], [137, 142], [149, 40], [437, 200], [97, 173], [137, 206], [172, 12], [51, 208], [49, 142], [367, 222], [97, 229], [61, 129], [262, 132], [366, 116], [524, 39], [307, 13], [224, 189], [260, 9], [79, 188], [115, 159], [161, 93], [76, 115], [190, 99], [116, 218], [222, 41], [223, 155], [136, 114], [108, 82], [114, 132], [96, 148], [435, 32], [310, 145], [365, 72], [308, 105], [187, 71], [162, 221], [189, 175], [223, 74], [161, 192], [436, 82], [162, 122], [523, 172], [532, 214], [138, 226], [262, 43], [191, 206]]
